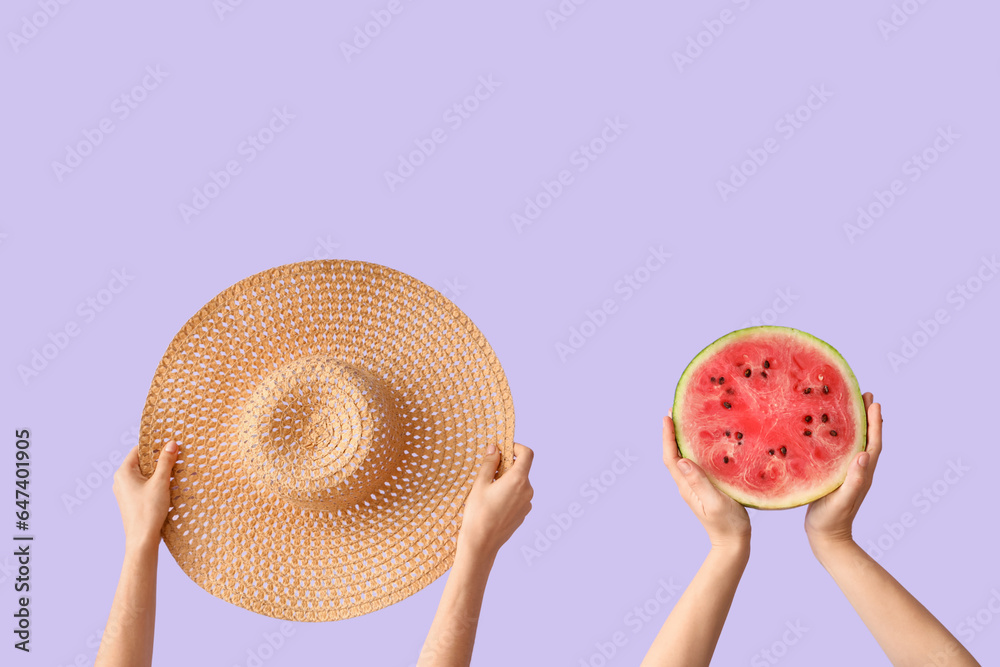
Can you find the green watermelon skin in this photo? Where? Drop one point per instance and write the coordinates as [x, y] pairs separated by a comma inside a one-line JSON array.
[[791, 429]]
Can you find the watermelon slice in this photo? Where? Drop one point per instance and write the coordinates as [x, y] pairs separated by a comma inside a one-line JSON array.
[[773, 415]]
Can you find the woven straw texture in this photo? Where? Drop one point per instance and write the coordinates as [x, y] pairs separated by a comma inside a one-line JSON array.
[[332, 416]]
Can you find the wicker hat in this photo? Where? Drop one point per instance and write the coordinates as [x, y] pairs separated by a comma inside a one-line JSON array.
[[332, 416]]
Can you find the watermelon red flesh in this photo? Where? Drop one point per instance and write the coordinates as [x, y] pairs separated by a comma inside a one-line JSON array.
[[796, 381]]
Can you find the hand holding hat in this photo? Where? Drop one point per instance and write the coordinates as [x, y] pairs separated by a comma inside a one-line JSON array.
[[495, 508], [144, 502]]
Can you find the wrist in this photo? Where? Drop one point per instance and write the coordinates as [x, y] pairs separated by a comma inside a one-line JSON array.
[[825, 547], [142, 545], [473, 562], [735, 549]]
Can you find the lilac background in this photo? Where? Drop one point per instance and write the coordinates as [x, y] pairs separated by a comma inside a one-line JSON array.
[[319, 190]]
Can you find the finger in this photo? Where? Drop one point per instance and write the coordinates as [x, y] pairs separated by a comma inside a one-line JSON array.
[[874, 433], [847, 494], [701, 487], [867, 397], [523, 457], [670, 454], [131, 459], [488, 468], [129, 467], [165, 463]]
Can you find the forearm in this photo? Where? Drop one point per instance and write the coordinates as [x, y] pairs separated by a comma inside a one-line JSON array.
[[690, 633], [128, 636], [906, 631], [453, 632]]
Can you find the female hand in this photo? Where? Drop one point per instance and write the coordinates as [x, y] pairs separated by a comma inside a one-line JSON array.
[[495, 508], [830, 518], [725, 520], [144, 502]]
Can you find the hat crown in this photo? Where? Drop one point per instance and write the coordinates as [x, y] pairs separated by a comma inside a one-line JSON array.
[[320, 433]]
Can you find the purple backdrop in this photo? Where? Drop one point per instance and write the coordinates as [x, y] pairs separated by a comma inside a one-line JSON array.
[[604, 188]]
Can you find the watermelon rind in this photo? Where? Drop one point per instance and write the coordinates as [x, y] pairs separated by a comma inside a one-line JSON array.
[[836, 358]]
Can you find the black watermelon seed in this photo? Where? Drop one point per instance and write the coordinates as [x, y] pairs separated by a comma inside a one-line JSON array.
[[764, 373], [722, 379], [713, 379], [833, 433], [807, 432], [747, 373], [771, 452], [739, 436], [784, 451], [808, 390], [725, 459], [727, 405], [767, 364], [728, 433], [825, 418], [826, 389], [809, 418], [730, 391]]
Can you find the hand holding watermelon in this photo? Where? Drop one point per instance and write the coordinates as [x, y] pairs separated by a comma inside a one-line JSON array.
[[830, 519], [692, 630], [725, 520]]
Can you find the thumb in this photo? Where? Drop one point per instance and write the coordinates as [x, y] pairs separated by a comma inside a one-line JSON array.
[[165, 463], [488, 468], [857, 475]]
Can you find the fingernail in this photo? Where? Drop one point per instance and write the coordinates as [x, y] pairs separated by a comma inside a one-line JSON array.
[[863, 459], [491, 449], [685, 466], [171, 446]]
